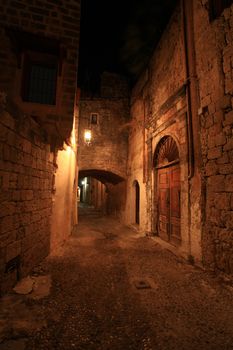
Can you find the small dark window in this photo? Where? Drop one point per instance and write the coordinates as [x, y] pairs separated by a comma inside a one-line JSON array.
[[94, 118], [216, 8], [39, 81]]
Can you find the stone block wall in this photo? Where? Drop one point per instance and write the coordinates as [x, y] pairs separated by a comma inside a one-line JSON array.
[[98, 195], [214, 50], [38, 175], [55, 20], [109, 144], [137, 162], [26, 182], [158, 109], [206, 196], [108, 150], [166, 71]]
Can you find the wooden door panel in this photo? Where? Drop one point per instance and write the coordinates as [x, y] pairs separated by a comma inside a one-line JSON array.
[[175, 230], [175, 175], [164, 201], [169, 204], [163, 230], [175, 205], [164, 214], [163, 204], [175, 202], [164, 178], [164, 227]]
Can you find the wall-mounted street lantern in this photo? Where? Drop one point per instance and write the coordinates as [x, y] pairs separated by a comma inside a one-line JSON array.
[[87, 136]]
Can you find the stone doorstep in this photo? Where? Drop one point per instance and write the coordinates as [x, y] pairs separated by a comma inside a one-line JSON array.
[[173, 249]]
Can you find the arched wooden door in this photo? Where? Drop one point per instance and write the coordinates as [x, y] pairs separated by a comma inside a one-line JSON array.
[[168, 190]]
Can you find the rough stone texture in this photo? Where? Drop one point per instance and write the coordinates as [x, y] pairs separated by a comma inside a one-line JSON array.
[[98, 195], [108, 150], [95, 302], [26, 173], [58, 20], [157, 103], [214, 50], [158, 109], [137, 164], [34, 185]]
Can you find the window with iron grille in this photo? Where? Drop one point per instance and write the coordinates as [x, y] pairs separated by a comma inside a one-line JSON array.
[[39, 80], [216, 7]]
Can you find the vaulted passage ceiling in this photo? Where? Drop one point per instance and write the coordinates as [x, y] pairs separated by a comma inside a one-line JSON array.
[[101, 175]]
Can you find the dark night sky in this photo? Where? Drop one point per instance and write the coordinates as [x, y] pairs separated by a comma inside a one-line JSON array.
[[119, 36]]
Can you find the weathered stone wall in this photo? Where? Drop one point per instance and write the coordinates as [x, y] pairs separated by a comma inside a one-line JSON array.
[[57, 20], [38, 169], [26, 182], [166, 71], [116, 199], [158, 109], [98, 195], [108, 148], [137, 165], [206, 193], [214, 52]]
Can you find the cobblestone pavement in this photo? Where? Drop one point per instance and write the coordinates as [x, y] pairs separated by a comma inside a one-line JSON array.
[[113, 289]]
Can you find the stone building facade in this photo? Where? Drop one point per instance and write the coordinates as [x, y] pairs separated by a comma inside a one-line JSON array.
[[38, 53], [180, 144], [105, 158], [179, 173]]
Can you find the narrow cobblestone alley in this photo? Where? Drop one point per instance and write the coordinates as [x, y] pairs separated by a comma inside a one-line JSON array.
[[112, 288], [116, 175]]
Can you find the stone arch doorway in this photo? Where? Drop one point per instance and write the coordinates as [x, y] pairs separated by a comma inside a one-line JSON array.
[[137, 202], [167, 190]]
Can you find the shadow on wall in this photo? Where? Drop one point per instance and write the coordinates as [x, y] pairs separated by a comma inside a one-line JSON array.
[[116, 199]]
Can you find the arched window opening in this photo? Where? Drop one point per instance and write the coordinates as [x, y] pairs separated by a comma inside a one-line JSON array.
[[167, 152]]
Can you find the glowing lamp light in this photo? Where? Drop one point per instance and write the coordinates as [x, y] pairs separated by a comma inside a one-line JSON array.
[[84, 181], [87, 136]]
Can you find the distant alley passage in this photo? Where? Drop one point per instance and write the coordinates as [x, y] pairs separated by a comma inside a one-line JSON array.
[[113, 288]]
